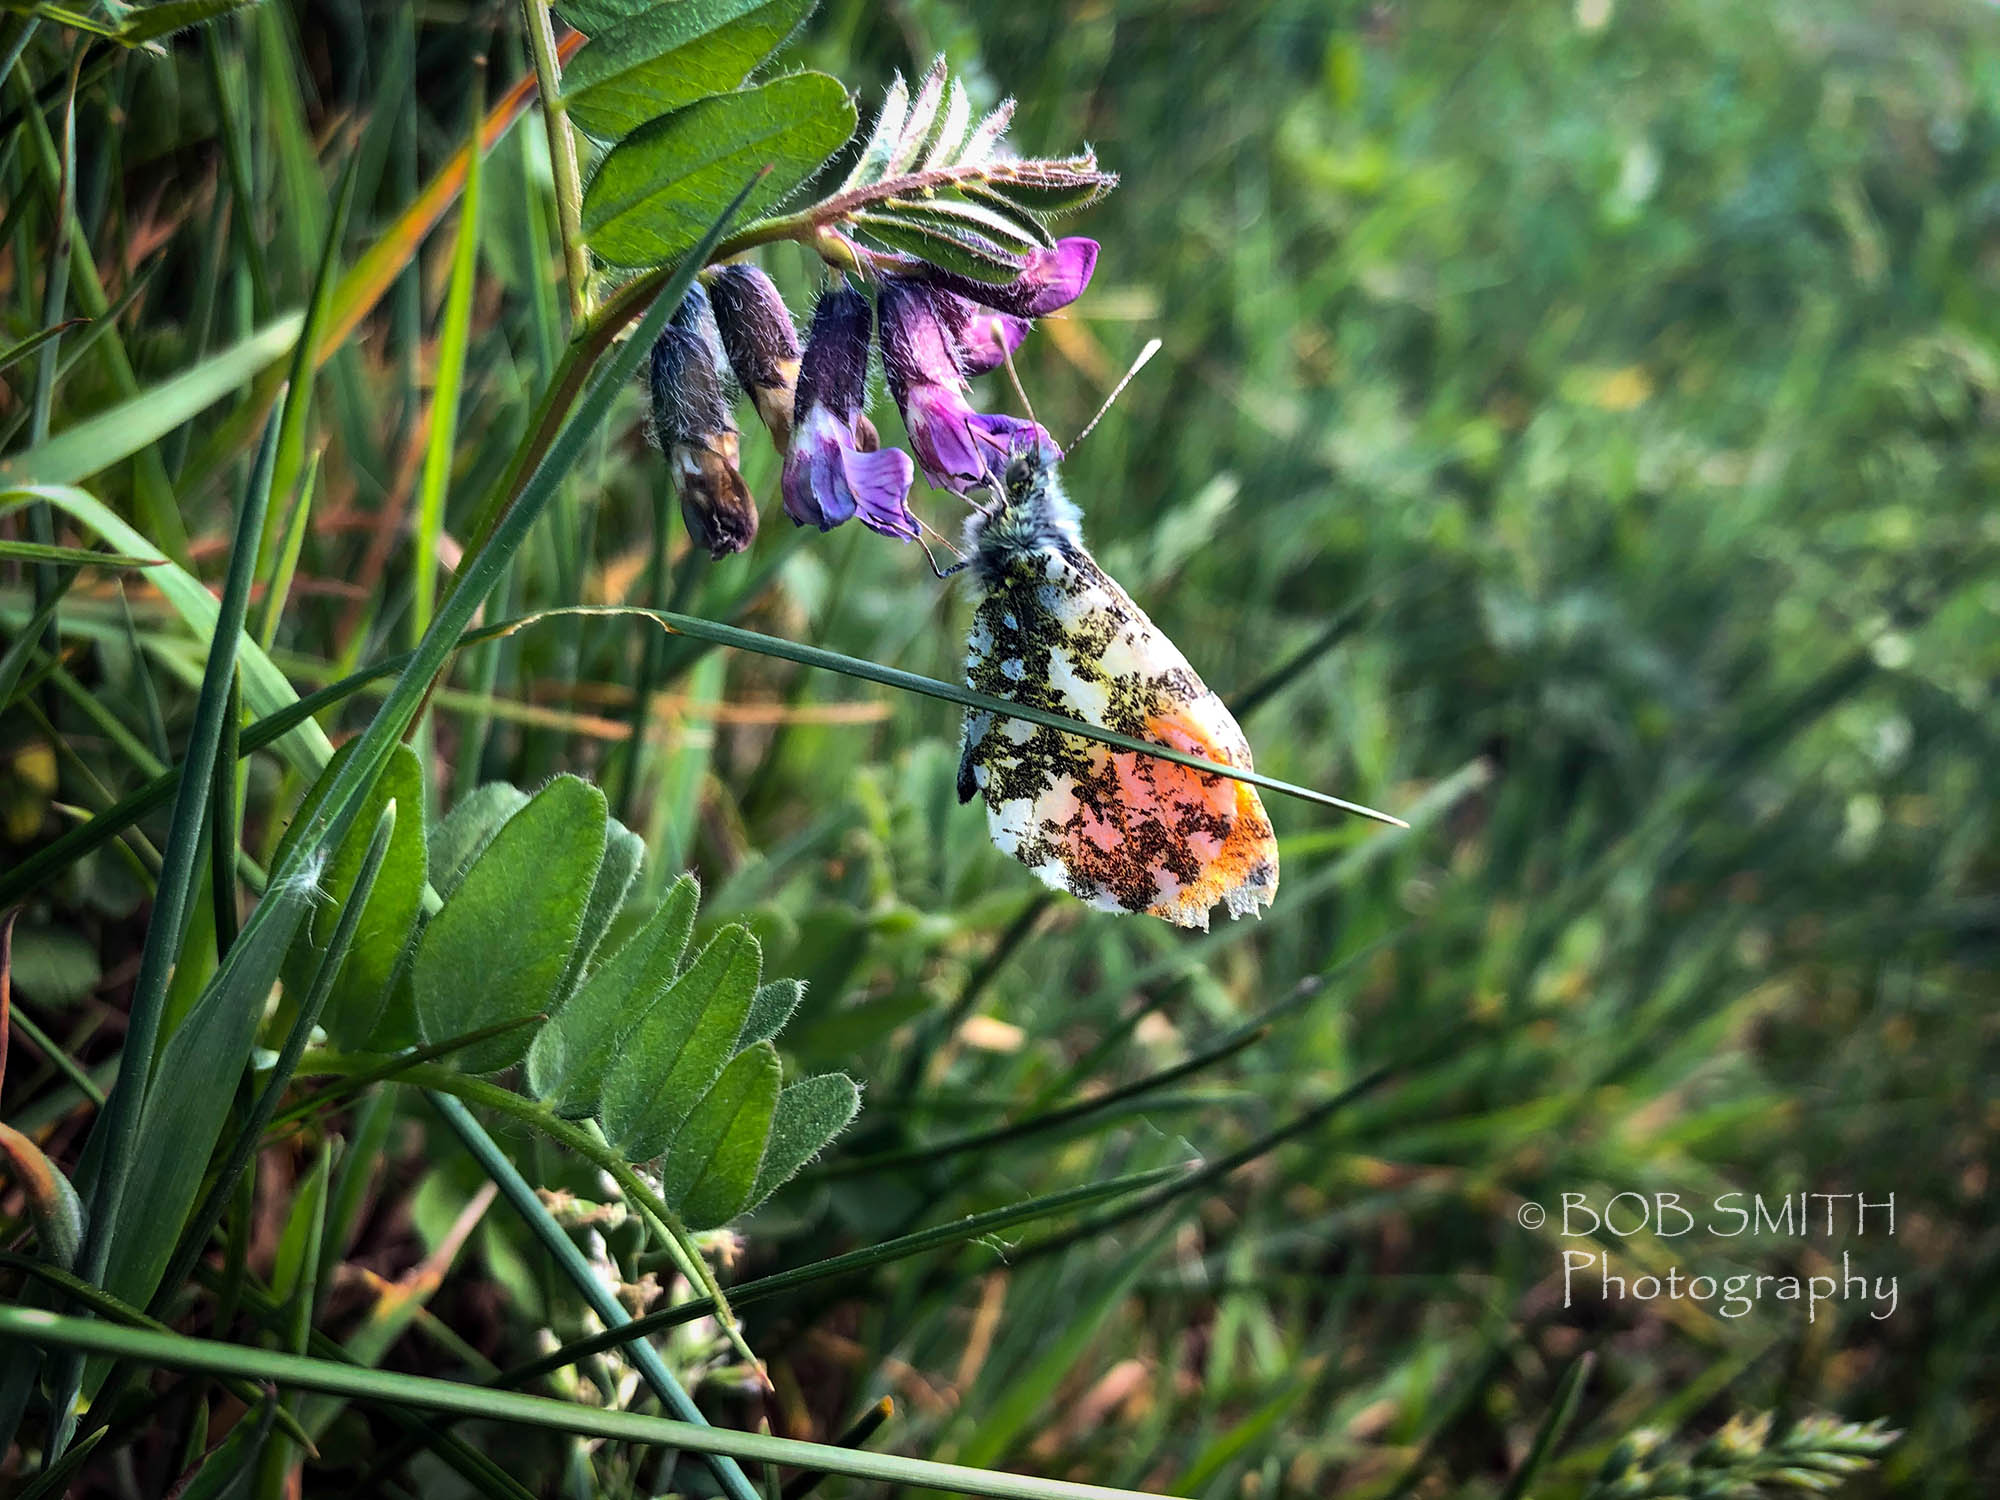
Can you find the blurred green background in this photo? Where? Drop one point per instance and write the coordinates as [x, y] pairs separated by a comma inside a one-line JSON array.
[[1575, 431]]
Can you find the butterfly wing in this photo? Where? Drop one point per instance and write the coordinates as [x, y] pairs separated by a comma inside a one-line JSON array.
[[1123, 831]]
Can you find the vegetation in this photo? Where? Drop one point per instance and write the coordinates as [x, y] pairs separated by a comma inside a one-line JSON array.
[[1574, 433]]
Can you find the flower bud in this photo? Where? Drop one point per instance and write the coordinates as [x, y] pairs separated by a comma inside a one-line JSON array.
[[761, 343], [694, 427]]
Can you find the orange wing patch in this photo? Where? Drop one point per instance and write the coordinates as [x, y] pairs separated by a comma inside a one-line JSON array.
[[1123, 831]]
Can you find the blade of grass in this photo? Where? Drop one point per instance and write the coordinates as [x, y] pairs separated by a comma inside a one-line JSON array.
[[196, 1235], [265, 688], [225, 821], [105, 1305], [563, 1251], [290, 545], [175, 1351], [15, 353], [374, 271], [454, 337], [1562, 1410], [118, 1124], [136, 424], [298, 397], [930, 687], [35, 552]]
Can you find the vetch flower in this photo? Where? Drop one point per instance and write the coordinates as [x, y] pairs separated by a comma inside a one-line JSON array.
[[959, 448], [694, 427], [836, 468], [1054, 277], [984, 338], [762, 344]]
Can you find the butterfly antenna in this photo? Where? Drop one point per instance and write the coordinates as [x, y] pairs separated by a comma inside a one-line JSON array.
[[1145, 354]]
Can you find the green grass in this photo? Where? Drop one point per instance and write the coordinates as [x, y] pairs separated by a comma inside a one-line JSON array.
[[1574, 433]]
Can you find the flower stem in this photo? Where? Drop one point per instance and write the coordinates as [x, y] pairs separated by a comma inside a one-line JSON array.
[[562, 156]]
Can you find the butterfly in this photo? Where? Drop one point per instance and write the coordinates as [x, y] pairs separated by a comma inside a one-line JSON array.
[[1120, 830]]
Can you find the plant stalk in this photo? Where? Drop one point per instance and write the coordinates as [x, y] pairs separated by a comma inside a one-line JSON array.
[[562, 156]]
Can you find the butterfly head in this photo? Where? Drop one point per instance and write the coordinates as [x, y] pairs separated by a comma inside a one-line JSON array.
[[1032, 514]]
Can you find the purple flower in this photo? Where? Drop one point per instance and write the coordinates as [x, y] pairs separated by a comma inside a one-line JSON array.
[[762, 345], [694, 427], [984, 338], [836, 468], [1054, 277], [959, 448]]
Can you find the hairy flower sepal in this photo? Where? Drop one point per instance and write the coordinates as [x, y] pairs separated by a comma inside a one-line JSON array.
[[695, 428], [761, 343], [959, 448], [836, 468]]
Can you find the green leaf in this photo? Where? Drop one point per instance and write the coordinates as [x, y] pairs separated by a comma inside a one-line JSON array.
[[1050, 187], [54, 967], [226, 1468], [945, 246], [808, 1116], [1020, 219], [54, 1480], [355, 1003], [770, 1008], [1003, 227], [502, 942], [713, 1161], [11, 551], [149, 23], [170, 1100], [593, 17], [195, 1084], [660, 187], [570, 1056], [624, 852], [681, 1046], [469, 828], [668, 56]]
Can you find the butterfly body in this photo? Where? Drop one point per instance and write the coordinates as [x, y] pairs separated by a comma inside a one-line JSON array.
[[1122, 831]]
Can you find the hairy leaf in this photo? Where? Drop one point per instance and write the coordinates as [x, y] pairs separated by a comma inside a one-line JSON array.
[[469, 828], [770, 1009], [354, 1005], [808, 1116], [503, 940], [681, 1046], [970, 254], [668, 56], [624, 853], [712, 1163], [569, 1057], [660, 188]]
